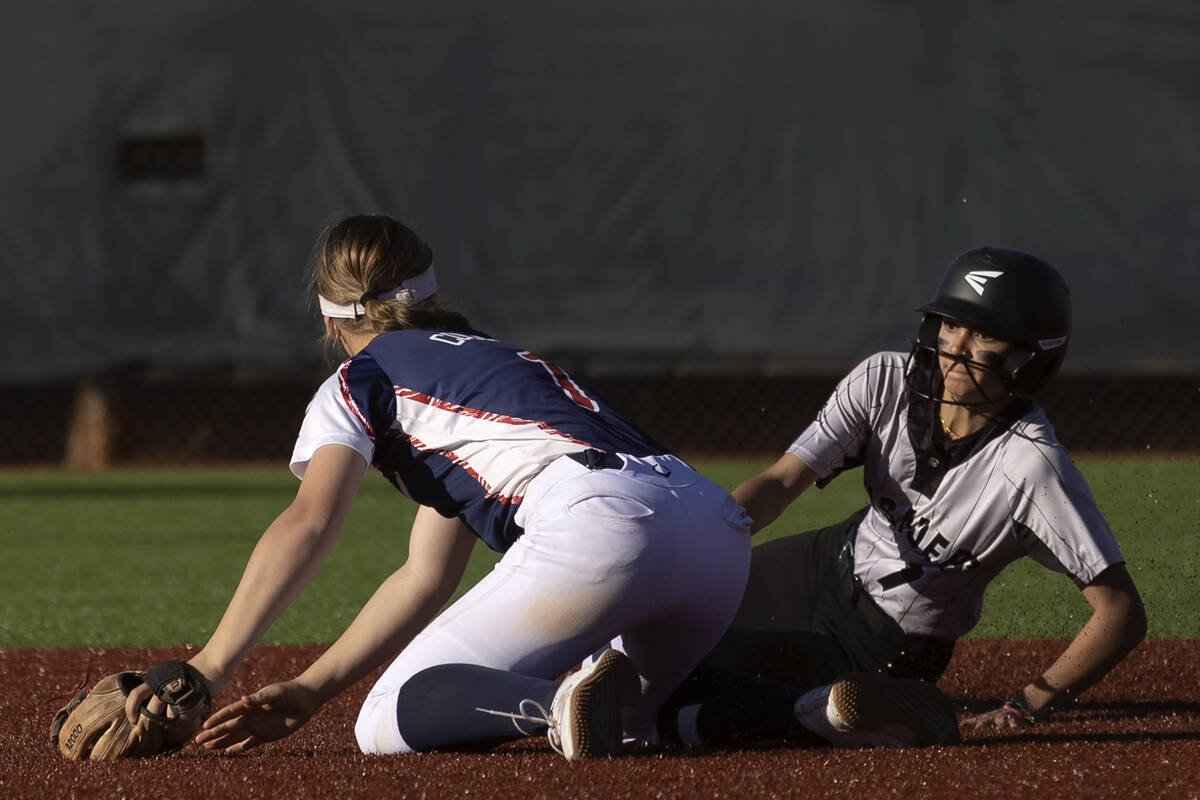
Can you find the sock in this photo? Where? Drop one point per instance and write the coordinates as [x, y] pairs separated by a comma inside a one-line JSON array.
[[437, 706]]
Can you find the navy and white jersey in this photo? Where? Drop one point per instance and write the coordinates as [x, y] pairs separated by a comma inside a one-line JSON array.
[[942, 523], [461, 423]]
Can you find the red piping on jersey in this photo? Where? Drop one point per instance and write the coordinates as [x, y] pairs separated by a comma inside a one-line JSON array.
[[458, 461], [565, 381], [488, 416], [348, 399]]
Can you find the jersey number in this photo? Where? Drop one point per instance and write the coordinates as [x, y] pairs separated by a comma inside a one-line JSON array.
[[565, 382]]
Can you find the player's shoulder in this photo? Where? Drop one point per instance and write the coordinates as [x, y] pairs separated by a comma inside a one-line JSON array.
[[890, 360], [1030, 449], [330, 388], [881, 365], [879, 370]]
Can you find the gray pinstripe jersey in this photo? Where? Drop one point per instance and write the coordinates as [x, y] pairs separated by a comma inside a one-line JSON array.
[[926, 560]]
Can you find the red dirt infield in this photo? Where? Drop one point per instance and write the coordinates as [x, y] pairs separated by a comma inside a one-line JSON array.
[[1137, 734]]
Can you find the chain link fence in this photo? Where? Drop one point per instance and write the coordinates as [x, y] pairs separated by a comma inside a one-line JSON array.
[[217, 417]]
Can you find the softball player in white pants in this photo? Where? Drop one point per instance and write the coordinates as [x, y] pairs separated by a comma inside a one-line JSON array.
[[657, 559], [605, 534]]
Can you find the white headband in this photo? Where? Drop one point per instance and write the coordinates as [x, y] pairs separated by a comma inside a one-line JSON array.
[[409, 292]]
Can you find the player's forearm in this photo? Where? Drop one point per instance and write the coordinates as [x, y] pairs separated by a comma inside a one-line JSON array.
[[768, 493], [764, 500], [399, 609], [438, 551], [286, 557], [1111, 633]]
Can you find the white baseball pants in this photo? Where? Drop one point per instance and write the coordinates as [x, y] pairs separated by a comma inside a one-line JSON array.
[[654, 553]]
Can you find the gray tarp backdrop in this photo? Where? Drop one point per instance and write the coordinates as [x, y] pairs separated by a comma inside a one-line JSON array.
[[758, 185]]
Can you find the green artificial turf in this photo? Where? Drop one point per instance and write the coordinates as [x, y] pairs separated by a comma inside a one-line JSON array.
[[152, 557]]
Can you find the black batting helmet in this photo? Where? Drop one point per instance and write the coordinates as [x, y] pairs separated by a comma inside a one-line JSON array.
[[1010, 295]]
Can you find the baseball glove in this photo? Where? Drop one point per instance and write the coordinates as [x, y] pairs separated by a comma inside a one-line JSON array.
[[94, 726]]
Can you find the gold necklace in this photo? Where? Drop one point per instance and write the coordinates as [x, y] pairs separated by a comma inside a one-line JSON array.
[[946, 428]]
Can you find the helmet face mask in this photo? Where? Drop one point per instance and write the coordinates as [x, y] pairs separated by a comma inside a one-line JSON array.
[[1008, 294], [927, 382]]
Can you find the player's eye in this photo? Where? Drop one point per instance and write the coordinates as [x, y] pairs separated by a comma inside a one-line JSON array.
[[989, 358]]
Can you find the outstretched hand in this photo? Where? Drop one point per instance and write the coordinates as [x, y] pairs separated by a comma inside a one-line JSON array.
[[271, 713], [1004, 718]]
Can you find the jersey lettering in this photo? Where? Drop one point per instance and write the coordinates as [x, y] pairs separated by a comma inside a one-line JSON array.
[[915, 530], [456, 339], [565, 382], [935, 546]]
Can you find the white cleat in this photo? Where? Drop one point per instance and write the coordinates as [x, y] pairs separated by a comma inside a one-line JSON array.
[[585, 715], [866, 709]]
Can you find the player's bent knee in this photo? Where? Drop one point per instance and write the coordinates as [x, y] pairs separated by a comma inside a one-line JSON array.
[[376, 728]]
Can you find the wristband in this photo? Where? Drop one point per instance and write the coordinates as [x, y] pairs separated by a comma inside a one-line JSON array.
[[1016, 705]]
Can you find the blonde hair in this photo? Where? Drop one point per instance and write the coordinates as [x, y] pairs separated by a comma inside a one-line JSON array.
[[365, 255]]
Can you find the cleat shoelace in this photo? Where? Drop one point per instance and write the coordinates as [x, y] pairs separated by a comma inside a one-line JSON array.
[[534, 712]]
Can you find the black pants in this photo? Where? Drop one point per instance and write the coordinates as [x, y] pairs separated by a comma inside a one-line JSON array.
[[802, 622]]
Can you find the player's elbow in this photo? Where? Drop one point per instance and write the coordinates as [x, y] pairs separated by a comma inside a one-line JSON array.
[[1127, 614], [1136, 624], [427, 585], [1119, 606], [1136, 621], [301, 528]]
